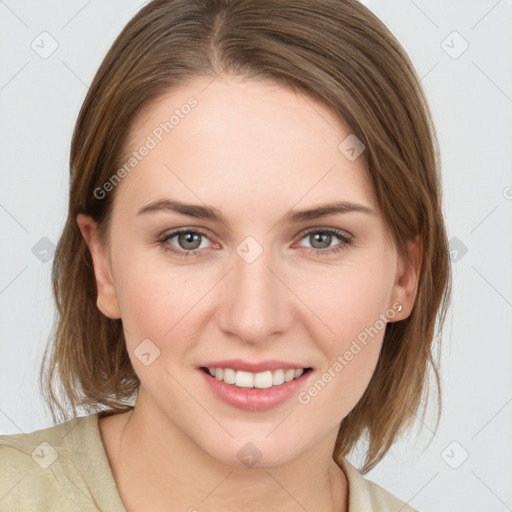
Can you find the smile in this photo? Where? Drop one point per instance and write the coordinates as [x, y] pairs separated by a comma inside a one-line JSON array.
[[254, 386], [261, 380]]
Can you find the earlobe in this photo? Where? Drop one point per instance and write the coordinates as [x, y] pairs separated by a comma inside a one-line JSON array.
[[407, 276], [107, 298]]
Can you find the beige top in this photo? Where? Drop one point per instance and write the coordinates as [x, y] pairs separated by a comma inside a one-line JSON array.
[[65, 468]]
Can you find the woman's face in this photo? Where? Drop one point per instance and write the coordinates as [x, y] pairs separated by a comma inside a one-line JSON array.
[[258, 292]]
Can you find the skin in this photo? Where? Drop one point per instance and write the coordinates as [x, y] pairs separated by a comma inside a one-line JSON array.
[[253, 150]]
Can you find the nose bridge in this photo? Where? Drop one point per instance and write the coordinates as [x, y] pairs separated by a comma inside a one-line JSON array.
[[255, 306]]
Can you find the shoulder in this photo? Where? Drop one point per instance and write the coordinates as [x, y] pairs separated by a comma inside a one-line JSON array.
[[38, 449], [38, 468], [367, 496]]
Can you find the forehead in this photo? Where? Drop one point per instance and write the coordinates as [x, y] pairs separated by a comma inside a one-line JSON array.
[[241, 144]]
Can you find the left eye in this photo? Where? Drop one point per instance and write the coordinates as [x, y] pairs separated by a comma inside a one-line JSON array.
[[324, 237], [190, 241]]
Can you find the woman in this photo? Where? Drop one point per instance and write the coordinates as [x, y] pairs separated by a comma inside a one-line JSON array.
[[251, 271]]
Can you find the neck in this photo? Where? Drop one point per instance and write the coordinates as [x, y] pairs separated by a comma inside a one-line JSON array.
[[147, 451]]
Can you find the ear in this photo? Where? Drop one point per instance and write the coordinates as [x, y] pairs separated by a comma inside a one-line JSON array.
[[406, 280], [107, 298]]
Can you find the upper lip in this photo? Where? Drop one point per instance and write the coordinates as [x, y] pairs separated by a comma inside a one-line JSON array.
[[254, 367]]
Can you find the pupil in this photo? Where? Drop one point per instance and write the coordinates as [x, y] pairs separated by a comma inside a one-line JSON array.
[[326, 236], [189, 238]]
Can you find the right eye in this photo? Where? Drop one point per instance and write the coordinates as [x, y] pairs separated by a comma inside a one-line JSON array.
[[185, 237]]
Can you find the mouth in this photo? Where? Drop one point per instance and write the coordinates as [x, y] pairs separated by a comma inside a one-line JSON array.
[[258, 380], [255, 386]]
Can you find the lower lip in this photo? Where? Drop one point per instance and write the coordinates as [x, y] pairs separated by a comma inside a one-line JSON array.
[[255, 399]]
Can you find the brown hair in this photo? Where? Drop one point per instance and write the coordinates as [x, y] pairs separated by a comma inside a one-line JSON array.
[[335, 51]]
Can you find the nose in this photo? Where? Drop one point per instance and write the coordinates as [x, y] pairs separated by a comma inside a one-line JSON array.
[[256, 303]]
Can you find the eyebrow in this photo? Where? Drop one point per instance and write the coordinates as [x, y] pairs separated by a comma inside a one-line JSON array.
[[291, 216]]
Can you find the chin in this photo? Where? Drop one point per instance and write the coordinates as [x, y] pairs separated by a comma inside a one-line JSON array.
[[256, 451]]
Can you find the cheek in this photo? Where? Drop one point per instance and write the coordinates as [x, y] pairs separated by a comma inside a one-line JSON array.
[[346, 300], [352, 309], [154, 299], [339, 385], [155, 307]]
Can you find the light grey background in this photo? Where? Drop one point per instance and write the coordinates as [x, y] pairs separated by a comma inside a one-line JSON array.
[[471, 98]]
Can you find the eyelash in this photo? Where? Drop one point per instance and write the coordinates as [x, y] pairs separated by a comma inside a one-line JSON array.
[[345, 241]]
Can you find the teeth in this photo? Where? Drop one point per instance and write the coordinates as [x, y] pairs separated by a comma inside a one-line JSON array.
[[244, 379], [229, 376], [261, 380], [278, 377]]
